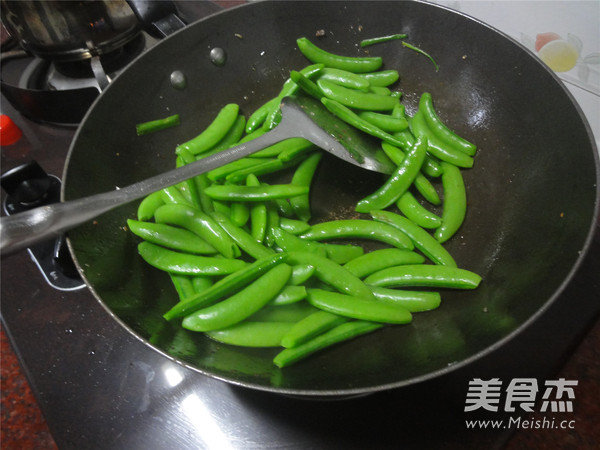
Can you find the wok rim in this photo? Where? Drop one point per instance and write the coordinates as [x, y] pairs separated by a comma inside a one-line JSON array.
[[593, 230]]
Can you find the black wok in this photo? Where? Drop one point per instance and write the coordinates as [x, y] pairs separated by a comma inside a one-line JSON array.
[[533, 195]]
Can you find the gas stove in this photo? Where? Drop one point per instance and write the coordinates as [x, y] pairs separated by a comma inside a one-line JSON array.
[[100, 387]]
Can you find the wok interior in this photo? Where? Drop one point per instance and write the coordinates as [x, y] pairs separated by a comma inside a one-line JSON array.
[[531, 192]]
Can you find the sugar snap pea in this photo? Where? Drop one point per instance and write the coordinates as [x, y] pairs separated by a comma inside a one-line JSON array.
[[353, 98], [340, 333], [386, 122], [252, 334], [171, 237], [153, 126], [303, 177], [240, 305], [290, 294], [381, 78], [149, 204], [424, 241], [254, 193], [258, 213], [242, 238], [399, 182], [455, 202], [351, 64], [187, 264], [376, 260], [215, 131], [427, 275], [412, 209], [201, 224], [344, 78], [311, 326], [360, 229], [413, 301], [356, 307], [225, 286]]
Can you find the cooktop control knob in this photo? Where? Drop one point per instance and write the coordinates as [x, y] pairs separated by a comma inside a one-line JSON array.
[[29, 186]]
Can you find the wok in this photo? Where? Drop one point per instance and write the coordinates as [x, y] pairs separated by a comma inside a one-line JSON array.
[[533, 195]]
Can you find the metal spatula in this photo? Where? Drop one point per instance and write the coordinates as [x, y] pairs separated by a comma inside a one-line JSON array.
[[301, 117]]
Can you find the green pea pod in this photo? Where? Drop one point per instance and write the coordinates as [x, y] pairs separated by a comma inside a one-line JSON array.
[[386, 122], [171, 237], [291, 243], [380, 259], [440, 129], [351, 118], [242, 238], [360, 229], [201, 283], [343, 332], [311, 326], [291, 313], [431, 166], [198, 183], [153, 126], [455, 203], [239, 214], [215, 131], [225, 286], [301, 273], [437, 148], [293, 226], [342, 253], [258, 117], [285, 145], [421, 183], [201, 224], [426, 243], [252, 334], [149, 205], [254, 193], [344, 78], [186, 264], [413, 301], [351, 64], [265, 166], [352, 98], [412, 209], [303, 176], [358, 308], [426, 275], [231, 138], [290, 294], [381, 78], [332, 274], [240, 305], [220, 173], [258, 214], [399, 182], [306, 84], [183, 285], [173, 195]]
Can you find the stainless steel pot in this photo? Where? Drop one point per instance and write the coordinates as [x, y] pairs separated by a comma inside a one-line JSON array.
[[79, 30]]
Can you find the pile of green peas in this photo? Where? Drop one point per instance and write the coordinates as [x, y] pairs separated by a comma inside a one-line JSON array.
[[249, 266]]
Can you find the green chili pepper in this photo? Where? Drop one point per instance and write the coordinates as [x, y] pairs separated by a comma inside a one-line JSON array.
[[201, 224], [413, 301], [332, 274], [353, 98], [217, 129], [149, 205], [381, 39], [440, 129], [380, 259], [254, 193], [252, 334], [425, 275], [343, 332], [399, 182], [157, 125], [187, 264], [426, 243], [171, 237], [351, 64], [311, 326], [240, 305], [226, 286], [361, 229], [241, 237], [358, 308], [412, 209], [455, 202]]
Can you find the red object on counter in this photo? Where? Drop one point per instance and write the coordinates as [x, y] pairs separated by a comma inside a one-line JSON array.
[[9, 131]]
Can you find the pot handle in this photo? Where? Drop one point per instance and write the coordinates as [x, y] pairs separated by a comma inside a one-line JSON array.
[[158, 18]]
